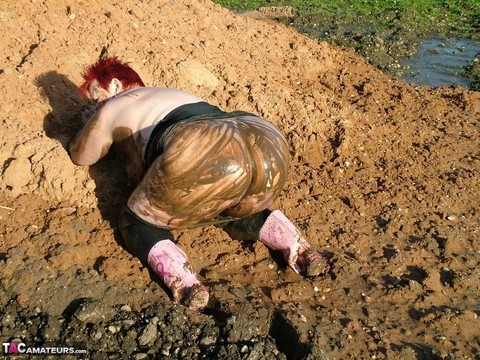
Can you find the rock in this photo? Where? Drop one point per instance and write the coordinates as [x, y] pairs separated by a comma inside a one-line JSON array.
[[278, 12], [314, 352], [207, 340], [94, 311], [433, 280], [18, 174], [113, 329], [273, 12], [53, 328], [22, 300], [196, 73], [148, 334], [128, 323], [245, 326], [140, 356], [126, 308]]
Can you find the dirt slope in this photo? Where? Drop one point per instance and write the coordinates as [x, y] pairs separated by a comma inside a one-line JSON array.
[[385, 179]]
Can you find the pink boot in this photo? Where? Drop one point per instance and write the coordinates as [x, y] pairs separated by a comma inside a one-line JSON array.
[[278, 233], [171, 264]]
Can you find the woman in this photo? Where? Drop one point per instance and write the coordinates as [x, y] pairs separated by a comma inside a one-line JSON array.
[[195, 165]]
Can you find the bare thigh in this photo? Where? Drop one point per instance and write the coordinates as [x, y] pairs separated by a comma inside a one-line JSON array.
[[234, 167]]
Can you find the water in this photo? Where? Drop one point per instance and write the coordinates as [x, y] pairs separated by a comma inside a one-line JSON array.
[[441, 62]]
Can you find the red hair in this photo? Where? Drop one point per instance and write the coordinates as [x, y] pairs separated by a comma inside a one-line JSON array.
[[104, 70]]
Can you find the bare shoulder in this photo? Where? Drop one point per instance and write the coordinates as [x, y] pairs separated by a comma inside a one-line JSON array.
[[140, 108]]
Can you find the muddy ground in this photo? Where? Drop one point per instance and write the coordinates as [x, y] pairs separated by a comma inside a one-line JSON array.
[[384, 181]]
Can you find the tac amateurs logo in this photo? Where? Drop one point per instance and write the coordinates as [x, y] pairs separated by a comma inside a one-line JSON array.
[[19, 347], [12, 347]]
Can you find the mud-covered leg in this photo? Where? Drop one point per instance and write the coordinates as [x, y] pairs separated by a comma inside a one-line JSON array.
[[248, 228], [278, 233], [156, 247], [171, 264]]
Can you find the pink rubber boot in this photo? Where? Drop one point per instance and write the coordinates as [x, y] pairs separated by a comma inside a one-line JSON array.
[[278, 233], [171, 264]]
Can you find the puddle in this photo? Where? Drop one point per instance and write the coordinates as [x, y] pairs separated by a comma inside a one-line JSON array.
[[441, 62]]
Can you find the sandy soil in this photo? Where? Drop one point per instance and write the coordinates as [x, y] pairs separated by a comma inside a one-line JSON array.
[[385, 182]]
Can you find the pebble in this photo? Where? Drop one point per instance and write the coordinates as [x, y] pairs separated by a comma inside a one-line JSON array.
[[7, 320], [148, 335], [126, 308], [113, 329], [208, 340], [94, 311], [128, 323], [97, 335], [22, 300], [165, 352], [140, 356]]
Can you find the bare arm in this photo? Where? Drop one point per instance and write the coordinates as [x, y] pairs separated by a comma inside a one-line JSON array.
[[92, 142]]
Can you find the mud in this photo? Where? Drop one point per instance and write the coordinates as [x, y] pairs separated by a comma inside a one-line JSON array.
[[384, 182], [472, 71], [388, 44]]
